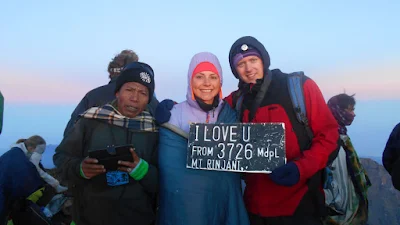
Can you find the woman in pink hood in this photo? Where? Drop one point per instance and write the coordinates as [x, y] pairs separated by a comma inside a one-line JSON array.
[[189, 196]]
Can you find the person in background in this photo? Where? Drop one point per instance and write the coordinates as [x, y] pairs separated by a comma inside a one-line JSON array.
[[19, 178], [355, 182], [35, 157], [105, 94], [391, 156]]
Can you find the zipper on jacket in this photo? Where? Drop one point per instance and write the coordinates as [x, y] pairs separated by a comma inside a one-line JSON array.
[[208, 117]]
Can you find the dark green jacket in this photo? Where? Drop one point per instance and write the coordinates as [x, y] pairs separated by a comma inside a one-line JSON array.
[[96, 203]]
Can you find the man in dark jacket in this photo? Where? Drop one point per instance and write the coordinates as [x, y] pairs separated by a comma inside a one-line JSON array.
[[391, 156], [104, 94], [125, 194], [291, 194]]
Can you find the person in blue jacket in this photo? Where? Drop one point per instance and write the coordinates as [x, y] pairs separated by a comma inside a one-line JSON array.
[[19, 178], [189, 196]]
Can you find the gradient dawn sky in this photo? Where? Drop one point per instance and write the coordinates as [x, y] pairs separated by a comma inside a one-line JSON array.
[[53, 52]]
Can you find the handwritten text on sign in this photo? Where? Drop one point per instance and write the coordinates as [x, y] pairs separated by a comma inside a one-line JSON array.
[[247, 147]]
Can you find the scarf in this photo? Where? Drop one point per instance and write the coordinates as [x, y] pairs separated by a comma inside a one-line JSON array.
[[207, 107], [360, 179], [343, 117], [109, 113], [361, 183]]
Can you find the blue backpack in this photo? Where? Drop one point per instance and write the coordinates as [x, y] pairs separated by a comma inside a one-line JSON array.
[[295, 87]]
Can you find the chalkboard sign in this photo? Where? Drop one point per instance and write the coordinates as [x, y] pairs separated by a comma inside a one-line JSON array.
[[240, 147]]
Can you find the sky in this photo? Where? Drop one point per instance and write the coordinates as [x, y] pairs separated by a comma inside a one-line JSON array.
[[52, 53]]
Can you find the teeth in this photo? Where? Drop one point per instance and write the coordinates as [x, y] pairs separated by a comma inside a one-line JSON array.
[[131, 108], [206, 90]]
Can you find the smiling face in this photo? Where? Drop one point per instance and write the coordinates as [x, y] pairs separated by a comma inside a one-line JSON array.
[[206, 85], [250, 69], [132, 99]]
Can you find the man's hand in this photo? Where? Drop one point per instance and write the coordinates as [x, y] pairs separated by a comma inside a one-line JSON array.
[[127, 166], [90, 168], [286, 175]]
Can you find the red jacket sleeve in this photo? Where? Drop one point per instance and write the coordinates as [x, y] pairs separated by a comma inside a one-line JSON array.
[[325, 129], [229, 98]]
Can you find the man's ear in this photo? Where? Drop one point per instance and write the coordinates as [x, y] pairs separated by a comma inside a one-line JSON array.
[[117, 95]]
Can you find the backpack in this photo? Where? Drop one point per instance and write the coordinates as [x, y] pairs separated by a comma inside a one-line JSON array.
[[341, 196], [295, 88]]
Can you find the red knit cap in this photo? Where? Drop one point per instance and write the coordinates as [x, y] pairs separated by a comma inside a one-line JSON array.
[[205, 66]]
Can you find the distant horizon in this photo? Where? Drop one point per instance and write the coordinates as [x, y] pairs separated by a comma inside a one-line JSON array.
[[47, 159], [368, 134]]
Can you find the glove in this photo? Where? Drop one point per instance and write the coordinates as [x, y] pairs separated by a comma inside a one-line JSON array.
[[34, 197], [163, 111], [286, 175], [60, 188]]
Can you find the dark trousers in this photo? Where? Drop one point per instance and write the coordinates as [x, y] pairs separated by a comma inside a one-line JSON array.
[[284, 220]]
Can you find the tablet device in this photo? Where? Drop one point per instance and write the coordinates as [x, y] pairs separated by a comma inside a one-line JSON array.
[[110, 156]]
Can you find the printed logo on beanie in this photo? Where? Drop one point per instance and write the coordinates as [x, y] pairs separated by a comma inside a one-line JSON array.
[[244, 47], [145, 77]]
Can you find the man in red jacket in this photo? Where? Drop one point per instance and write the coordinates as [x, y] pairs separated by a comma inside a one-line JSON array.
[[291, 194]]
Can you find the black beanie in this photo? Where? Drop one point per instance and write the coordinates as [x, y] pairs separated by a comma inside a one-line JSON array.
[[137, 72]]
